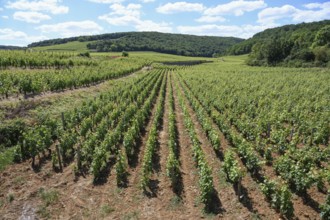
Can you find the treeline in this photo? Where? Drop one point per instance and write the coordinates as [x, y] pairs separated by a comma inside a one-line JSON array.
[[305, 44], [4, 47], [80, 39], [179, 44]]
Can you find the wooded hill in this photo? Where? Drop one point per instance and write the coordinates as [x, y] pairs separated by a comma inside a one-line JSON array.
[[179, 44], [305, 44], [5, 47]]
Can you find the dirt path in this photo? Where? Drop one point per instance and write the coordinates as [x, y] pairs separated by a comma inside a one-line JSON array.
[[165, 193], [230, 208], [188, 169]]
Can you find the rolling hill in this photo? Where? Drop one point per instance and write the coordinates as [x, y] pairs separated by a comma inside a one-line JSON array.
[[179, 44]]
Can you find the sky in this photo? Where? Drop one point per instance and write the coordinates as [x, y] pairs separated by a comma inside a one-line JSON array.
[[26, 21]]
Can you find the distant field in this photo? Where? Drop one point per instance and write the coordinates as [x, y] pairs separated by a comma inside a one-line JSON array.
[[77, 46], [154, 56], [70, 46]]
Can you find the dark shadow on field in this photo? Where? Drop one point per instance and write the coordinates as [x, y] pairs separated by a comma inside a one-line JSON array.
[[156, 159], [214, 206], [308, 200], [124, 181], [258, 177], [244, 198], [104, 174], [255, 174], [133, 161], [177, 185], [40, 161], [152, 190], [219, 154]]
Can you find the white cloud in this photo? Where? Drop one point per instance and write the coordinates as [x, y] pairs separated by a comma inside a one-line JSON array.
[[321, 12], [8, 34], [124, 20], [123, 15], [5, 17], [51, 6], [171, 8], [130, 9], [243, 31], [130, 15], [147, 1], [270, 15], [237, 8], [30, 16], [210, 19], [107, 1], [313, 5], [147, 25], [309, 16], [72, 28]]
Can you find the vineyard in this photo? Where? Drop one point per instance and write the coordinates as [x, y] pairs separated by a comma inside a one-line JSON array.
[[213, 140]]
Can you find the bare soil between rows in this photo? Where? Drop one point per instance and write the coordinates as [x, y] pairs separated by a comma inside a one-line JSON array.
[[45, 194]]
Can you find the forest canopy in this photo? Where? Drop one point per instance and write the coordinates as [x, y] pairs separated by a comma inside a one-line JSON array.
[[179, 44], [305, 44]]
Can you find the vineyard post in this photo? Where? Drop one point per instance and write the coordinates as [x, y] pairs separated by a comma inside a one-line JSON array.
[[268, 130], [23, 147], [59, 156], [291, 134], [33, 161], [78, 157], [239, 188], [311, 139]]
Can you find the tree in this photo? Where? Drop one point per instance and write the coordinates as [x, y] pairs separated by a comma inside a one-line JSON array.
[[322, 37], [125, 54]]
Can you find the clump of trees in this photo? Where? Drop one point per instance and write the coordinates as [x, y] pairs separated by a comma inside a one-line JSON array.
[[277, 51], [84, 54], [302, 45]]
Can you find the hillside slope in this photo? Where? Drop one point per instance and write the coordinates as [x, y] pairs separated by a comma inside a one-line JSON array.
[[291, 45], [179, 44]]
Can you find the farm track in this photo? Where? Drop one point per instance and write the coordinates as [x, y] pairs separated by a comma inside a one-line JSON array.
[[188, 169]]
